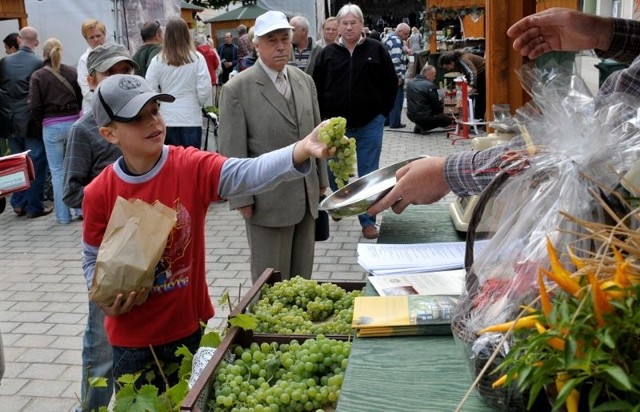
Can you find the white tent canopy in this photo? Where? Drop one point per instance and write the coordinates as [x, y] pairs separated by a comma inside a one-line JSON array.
[[63, 19]]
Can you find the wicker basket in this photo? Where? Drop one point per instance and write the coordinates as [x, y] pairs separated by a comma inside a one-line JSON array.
[[477, 355]]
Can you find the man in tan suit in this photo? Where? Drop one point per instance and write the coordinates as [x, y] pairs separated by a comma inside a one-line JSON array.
[[262, 109]]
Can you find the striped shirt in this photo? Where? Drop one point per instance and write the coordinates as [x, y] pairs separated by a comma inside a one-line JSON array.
[[394, 46]]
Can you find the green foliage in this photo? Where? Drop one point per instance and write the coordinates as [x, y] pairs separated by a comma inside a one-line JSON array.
[[602, 362], [98, 382], [211, 109], [244, 321], [129, 399], [210, 340]]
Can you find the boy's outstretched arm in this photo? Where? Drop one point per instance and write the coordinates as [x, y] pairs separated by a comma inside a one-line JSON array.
[[310, 146]]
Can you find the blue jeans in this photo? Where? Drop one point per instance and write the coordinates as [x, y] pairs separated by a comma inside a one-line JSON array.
[[395, 116], [133, 360], [97, 361], [184, 136], [54, 137], [368, 148], [31, 199]]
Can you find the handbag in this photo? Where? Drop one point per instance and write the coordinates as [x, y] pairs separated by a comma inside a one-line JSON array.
[[322, 224]]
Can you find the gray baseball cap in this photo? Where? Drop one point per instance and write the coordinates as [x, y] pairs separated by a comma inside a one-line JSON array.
[[121, 98], [104, 56]]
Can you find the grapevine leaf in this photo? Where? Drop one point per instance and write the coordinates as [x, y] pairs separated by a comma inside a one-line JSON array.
[[210, 340], [146, 399], [128, 379], [187, 360], [224, 299], [98, 382], [245, 321], [177, 393]]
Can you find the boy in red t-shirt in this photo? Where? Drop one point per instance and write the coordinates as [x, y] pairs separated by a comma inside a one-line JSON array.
[[186, 179]]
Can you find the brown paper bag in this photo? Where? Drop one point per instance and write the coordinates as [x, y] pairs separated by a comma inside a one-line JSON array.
[[132, 246]]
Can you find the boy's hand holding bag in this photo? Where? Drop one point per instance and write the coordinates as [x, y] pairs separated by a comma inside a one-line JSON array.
[[133, 243]]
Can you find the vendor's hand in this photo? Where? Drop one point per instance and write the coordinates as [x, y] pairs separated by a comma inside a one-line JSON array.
[[246, 211], [559, 29], [421, 182], [120, 305], [310, 146]]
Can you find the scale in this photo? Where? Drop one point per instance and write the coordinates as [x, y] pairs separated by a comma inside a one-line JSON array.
[[462, 208]]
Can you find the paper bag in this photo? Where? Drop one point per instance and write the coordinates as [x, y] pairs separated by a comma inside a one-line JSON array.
[[132, 246]]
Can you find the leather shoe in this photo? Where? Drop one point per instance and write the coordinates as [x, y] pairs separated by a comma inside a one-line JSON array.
[[370, 232], [44, 212], [20, 211], [400, 126]]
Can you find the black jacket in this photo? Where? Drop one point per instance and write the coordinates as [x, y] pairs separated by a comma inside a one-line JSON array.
[[422, 100], [357, 87]]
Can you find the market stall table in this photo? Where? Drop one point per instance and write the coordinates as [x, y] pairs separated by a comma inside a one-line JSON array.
[[417, 373]]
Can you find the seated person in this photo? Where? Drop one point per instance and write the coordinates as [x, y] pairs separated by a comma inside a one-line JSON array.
[[424, 107]]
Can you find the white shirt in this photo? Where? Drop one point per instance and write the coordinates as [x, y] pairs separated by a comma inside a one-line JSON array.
[[190, 84], [83, 72], [273, 75]]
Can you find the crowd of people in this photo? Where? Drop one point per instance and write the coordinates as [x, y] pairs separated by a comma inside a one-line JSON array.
[[101, 130]]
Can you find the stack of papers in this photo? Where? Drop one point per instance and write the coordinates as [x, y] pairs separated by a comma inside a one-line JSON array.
[[391, 259]]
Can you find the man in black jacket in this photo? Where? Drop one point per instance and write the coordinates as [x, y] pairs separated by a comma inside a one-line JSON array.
[[424, 107], [15, 75], [355, 79]]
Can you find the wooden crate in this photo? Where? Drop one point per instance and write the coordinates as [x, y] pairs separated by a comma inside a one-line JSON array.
[[270, 277], [198, 395], [196, 399]]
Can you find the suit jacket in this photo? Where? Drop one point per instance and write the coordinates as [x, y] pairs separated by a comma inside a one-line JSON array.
[[255, 119], [15, 76]]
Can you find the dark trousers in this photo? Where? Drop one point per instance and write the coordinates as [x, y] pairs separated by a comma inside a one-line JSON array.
[[31, 200], [133, 360], [184, 136], [436, 120]]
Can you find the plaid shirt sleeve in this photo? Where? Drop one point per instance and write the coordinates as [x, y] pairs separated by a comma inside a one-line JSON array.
[[469, 172], [625, 48]]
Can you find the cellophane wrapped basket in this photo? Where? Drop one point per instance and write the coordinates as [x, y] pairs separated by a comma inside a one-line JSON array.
[[576, 148]]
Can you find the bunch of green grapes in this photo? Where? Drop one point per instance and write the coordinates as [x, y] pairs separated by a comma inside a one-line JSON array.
[[303, 306], [343, 165], [278, 377]]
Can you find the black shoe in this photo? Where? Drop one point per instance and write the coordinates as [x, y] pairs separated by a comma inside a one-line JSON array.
[[44, 212], [419, 130], [400, 126], [3, 204]]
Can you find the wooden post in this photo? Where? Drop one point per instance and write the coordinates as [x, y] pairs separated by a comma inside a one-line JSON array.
[[503, 86]]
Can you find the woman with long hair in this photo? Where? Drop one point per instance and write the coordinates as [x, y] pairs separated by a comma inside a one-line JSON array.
[[182, 72], [55, 101]]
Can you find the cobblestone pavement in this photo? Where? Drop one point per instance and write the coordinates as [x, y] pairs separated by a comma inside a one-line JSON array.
[[43, 299]]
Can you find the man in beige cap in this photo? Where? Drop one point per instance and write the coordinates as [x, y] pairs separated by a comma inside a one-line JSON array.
[[86, 154], [280, 223]]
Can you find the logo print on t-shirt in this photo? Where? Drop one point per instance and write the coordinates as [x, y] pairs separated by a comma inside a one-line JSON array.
[[174, 268]]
